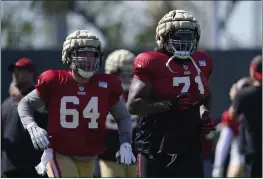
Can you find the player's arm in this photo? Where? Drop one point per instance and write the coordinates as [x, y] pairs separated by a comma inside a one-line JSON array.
[[139, 102], [37, 98], [121, 115], [206, 104], [207, 125], [207, 71], [26, 109], [237, 105], [32, 101]]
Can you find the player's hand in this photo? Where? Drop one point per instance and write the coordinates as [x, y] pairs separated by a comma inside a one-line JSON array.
[[182, 101], [217, 173], [38, 136], [207, 124], [125, 155]]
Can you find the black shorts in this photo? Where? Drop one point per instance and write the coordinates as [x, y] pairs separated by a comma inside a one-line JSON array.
[[176, 165], [256, 166], [23, 173]]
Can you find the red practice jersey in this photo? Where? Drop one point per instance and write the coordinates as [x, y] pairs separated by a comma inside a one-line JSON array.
[[150, 67], [77, 113], [232, 124]]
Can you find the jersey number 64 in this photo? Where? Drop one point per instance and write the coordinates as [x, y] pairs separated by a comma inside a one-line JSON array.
[[90, 111]]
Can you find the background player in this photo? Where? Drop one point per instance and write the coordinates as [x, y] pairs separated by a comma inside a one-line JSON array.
[[78, 102], [169, 86], [248, 102], [229, 139], [119, 63]]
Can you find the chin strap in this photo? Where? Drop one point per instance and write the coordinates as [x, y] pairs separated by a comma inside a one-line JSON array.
[[85, 74]]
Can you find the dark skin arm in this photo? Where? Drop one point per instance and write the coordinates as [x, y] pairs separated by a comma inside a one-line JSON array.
[[139, 102], [206, 104]]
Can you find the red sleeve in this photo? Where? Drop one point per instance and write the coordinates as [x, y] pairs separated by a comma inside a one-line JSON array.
[[142, 69], [116, 90], [233, 124], [205, 63], [45, 84]]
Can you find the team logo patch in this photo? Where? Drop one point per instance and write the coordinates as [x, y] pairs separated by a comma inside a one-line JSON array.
[[81, 88], [185, 67], [202, 63], [103, 84], [81, 91]]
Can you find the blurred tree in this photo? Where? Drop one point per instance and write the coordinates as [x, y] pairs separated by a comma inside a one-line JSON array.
[[57, 10], [17, 31], [147, 38]]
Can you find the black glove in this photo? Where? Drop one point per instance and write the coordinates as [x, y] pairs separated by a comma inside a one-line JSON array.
[[182, 101]]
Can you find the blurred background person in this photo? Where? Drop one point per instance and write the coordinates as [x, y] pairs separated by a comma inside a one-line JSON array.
[[18, 155], [229, 139], [248, 102], [119, 63]]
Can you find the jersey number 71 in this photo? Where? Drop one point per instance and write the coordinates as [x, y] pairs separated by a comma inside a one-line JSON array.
[[186, 81]]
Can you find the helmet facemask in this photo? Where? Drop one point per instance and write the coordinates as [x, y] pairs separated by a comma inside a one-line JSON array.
[[181, 42], [85, 61]]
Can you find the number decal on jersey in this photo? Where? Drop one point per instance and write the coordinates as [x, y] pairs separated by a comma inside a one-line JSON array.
[[186, 81], [90, 111]]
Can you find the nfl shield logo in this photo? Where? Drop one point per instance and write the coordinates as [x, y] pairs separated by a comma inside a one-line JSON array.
[[185, 67], [81, 88]]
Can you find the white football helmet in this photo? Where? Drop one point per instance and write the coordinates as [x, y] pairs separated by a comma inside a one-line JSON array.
[[120, 63], [178, 32], [82, 51]]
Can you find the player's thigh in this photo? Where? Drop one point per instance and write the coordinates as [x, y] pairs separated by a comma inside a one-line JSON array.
[[111, 169], [62, 166], [235, 170], [85, 167], [131, 171], [148, 168]]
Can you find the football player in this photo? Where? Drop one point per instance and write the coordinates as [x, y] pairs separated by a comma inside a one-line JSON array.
[[248, 102], [229, 139], [170, 94], [119, 63], [78, 102]]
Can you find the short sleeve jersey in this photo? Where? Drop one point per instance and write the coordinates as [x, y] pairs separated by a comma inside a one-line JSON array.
[[77, 113], [150, 67]]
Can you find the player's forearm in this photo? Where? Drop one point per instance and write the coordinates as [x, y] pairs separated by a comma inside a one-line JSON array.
[[223, 147], [27, 106], [206, 104], [121, 115], [142, 107]]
